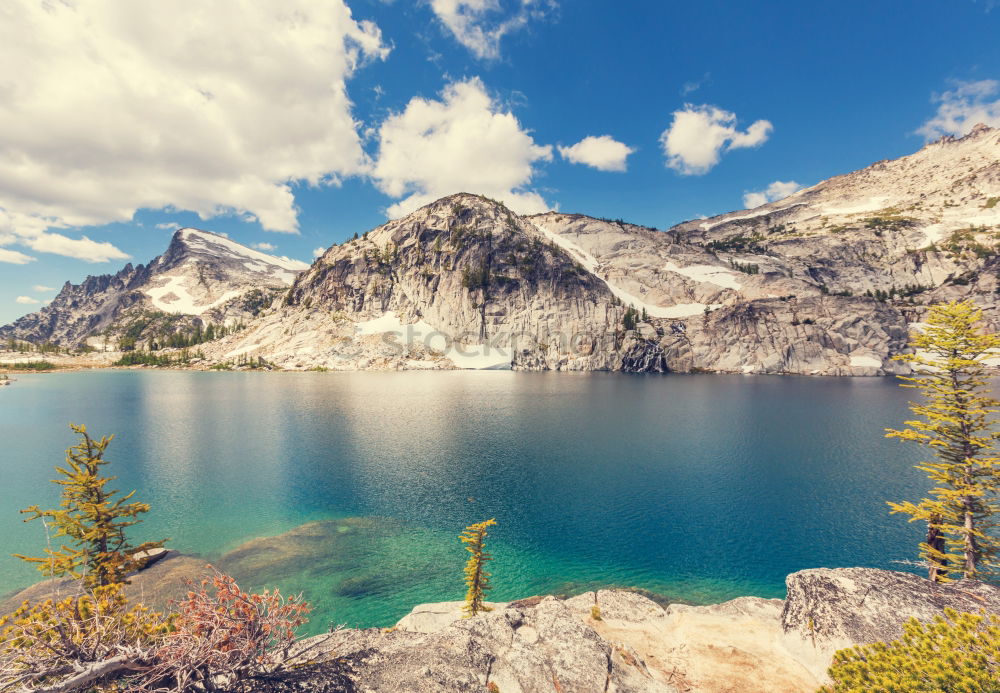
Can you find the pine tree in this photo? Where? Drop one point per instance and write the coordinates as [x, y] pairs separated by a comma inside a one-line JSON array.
[[92, 518], [476, 577], [956, 422], [631, 318]]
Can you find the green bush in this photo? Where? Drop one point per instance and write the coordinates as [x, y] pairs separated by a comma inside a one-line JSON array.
[[957, 652]]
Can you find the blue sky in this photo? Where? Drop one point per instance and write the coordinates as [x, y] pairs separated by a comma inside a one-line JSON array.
[[295, 123]]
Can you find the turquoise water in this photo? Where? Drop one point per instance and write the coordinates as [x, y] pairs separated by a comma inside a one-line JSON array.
[[698, 487]]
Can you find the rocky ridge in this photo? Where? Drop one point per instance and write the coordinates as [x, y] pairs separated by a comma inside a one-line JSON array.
[[202, 277], [829, 281]]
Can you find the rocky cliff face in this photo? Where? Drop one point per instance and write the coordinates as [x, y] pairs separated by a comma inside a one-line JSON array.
[[826, 282], [202, 277], [461, 282]]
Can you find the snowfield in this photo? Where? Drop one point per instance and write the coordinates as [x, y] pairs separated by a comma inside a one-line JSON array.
[[173, 297], [466, 356]]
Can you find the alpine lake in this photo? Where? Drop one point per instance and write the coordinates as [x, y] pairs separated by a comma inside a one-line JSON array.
[[352, 488]]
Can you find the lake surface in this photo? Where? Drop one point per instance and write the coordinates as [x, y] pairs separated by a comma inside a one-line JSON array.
[[699, 487]]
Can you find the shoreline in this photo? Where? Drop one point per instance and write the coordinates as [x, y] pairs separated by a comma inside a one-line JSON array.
[[76, 368]]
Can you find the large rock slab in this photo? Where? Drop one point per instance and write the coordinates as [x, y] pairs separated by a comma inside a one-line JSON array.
[[830, 609], [723, 648], [431, 618], [540, 648]]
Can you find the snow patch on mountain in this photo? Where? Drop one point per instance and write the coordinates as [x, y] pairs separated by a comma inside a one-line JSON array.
[[707, 273], [464, 356], [254, 260]]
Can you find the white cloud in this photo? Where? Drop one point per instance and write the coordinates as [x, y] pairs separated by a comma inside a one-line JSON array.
[[699, 135], [14, 257], [27, 300], [778, 190], [964, 107], [167, 225], [42, 289], [109, 107], [463, 143], [472, 23], [604, 153], [266, 247], [318, 251], [695, 85], [32, 231]]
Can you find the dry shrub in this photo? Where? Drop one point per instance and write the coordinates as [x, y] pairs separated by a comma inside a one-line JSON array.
[[221, 638], [76, 641], [224, 637]]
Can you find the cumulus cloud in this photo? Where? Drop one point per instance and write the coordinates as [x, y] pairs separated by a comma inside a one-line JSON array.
[[14, 257], [266, 247], [479, 25], [318, 251], [962, 108], [603, 153], [42, 289], [109, 107], [778, 190], [27, 300], [699, 135], [33, 231], [464, 142]]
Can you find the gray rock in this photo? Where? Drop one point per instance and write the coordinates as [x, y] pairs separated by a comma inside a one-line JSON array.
[[830, 609], [527, 649], [430, 618]]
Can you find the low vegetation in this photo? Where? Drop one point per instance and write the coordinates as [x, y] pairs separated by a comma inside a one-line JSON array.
[[897, 292], [889, 220], [19, 346], [243, 362], [745, 243], [966, 241], [156, 358], [29, 366], [955, 652]]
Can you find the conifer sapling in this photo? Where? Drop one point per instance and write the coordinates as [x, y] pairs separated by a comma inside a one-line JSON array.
[[476, 578], [92, 518]]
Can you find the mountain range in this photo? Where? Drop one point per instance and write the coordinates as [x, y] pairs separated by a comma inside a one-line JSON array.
[[828, 281]]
